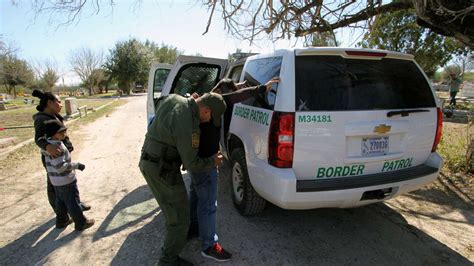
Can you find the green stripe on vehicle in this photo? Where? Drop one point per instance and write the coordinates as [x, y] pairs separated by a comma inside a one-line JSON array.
[[338, 171]]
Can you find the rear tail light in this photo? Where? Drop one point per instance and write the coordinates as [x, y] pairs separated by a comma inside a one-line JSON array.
[[281, 139], [439, 128]]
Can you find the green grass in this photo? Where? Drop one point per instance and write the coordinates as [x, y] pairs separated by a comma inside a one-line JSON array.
[[92, 116], [469, 76], [103, 95], [22, 116]]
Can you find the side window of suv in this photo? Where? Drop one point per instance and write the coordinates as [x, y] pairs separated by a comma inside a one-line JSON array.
[[235, 73], [199, 78], [258, 72], [159, 80]]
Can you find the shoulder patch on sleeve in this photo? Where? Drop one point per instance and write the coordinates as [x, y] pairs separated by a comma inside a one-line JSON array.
[[195, 140]]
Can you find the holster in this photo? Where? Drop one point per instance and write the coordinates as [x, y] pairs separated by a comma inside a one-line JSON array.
[[168, 168]]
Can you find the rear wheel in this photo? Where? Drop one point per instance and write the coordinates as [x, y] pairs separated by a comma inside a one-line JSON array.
[[245, 198]]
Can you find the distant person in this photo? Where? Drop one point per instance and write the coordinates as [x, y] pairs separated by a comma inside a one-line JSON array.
[[203, 190], [172, 139], [49, 108], [454, 84], [62, 175]]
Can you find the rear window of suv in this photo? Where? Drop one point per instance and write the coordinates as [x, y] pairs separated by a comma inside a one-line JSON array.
[[333, 83]]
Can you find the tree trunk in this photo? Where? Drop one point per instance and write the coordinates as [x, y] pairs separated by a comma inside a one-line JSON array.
[[8, 88], [126, 88], [14, 92]]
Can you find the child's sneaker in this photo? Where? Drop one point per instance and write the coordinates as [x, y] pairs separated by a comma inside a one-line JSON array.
[[88, 223], [85, 206], [217, 253], [64, 224]]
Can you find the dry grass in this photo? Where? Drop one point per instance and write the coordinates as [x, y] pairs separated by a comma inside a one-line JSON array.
[[22, 116], [453, 149]]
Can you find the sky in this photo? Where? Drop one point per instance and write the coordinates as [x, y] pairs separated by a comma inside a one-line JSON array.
[[177, 23]]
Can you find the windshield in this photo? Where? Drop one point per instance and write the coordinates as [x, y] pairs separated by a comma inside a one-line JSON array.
[[333, 83]]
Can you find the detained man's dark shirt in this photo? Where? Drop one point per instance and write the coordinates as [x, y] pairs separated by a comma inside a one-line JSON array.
[[209, 139], [210, 134]]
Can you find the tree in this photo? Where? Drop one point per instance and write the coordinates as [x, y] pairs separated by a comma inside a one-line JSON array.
[[286, 19], [128, 62], [398, 31], [99, 79], [323, 39], [47, 74], [7, 49], [48, 79], [13, 71], [163, 53], [84, 62]]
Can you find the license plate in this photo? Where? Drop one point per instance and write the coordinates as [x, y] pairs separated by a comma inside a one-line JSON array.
[[374, 146]]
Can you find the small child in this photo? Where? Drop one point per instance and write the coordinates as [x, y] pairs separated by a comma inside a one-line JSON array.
[[62, 174]]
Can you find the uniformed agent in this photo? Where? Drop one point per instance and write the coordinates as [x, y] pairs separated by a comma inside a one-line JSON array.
[[173, 139]]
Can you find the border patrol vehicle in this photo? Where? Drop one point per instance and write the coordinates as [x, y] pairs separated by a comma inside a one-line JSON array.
[[344, 128]]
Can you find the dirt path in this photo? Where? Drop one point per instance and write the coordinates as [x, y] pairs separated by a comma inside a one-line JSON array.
[[423, 228]]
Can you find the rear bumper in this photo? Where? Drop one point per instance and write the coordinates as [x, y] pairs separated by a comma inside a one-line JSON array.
[[280, 187]]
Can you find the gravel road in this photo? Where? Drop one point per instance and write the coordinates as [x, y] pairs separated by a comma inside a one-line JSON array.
[[426, 227]]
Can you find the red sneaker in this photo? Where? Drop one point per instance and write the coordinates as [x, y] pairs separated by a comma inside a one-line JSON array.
[[217, 253]]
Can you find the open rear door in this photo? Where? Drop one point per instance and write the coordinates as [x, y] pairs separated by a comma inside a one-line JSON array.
[[156, 80], [192, 74]]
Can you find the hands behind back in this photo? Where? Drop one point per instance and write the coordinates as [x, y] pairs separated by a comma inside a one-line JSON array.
[[218, 159]]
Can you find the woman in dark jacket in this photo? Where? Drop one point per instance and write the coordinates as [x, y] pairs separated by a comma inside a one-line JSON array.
[[49, 108]]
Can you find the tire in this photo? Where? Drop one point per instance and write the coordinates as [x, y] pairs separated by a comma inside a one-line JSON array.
[[245, 198]]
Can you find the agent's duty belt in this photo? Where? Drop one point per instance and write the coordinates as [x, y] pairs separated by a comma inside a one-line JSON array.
[[147, 157], [166, 170]]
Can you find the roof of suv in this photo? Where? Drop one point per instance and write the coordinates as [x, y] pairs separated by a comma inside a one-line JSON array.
[[344, 52]]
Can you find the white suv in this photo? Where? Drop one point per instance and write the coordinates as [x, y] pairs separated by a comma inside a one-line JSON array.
[[343, 128]]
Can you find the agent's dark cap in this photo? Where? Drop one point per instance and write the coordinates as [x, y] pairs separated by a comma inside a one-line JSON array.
[[53, 126], [217, 105]]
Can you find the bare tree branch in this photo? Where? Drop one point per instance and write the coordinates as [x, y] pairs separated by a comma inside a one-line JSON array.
[[299, 18], [360, 16], [210, 17]]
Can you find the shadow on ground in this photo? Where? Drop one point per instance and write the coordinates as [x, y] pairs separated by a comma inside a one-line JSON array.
[[129, 211], [448, 197], [35, 246], [372, 235]]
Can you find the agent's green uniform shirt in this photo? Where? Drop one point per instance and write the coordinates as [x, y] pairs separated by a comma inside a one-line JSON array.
[[176, 123]]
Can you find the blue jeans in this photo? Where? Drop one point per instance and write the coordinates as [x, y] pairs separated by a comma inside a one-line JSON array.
[[67, 201], [203, 205]]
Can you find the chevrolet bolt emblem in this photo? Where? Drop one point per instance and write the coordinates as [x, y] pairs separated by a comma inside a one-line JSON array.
[[381, 129]]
